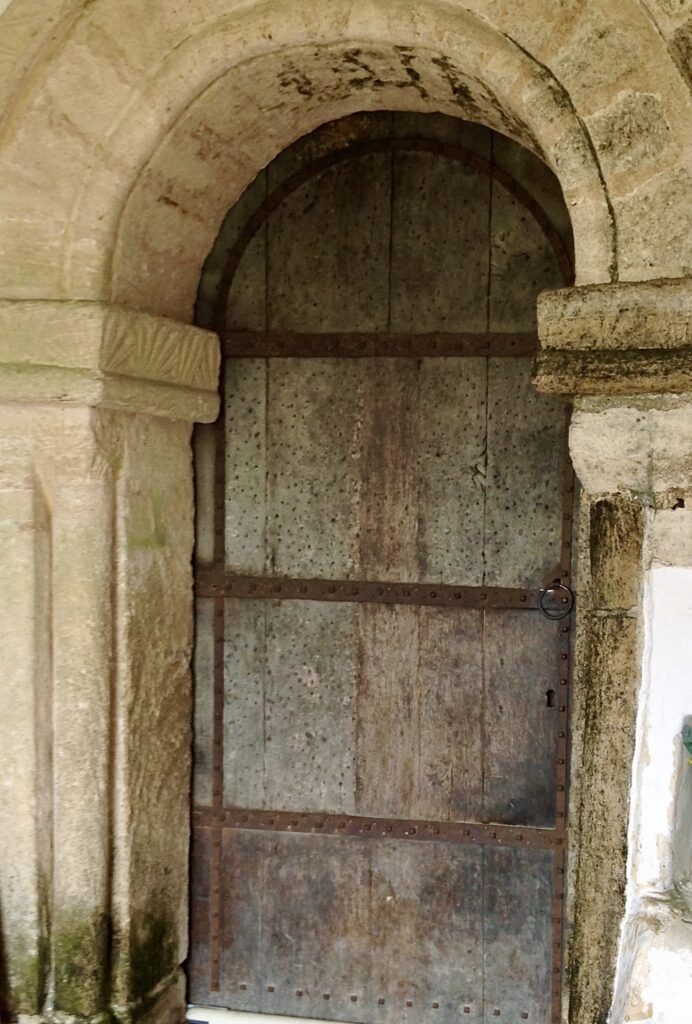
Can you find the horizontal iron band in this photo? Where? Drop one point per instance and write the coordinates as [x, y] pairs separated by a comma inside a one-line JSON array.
[[210, 583], [283, 344], [314, 823]]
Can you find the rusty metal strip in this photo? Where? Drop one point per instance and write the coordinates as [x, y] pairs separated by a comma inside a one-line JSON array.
[[315, 823], [368, 147], [215, 913], [211, 583], [557, 932], [218, 692], [291, 344], [562, 746]]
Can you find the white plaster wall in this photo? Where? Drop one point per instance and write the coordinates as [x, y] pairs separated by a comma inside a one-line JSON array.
[[654, 980], [666, 700]]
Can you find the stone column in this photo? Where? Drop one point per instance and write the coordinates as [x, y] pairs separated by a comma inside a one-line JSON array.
[[623, 351], [96, 534]]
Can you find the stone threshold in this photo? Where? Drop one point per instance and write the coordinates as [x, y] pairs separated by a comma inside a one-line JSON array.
[[217, 1015]]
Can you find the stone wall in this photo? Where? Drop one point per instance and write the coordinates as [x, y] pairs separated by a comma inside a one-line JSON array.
[[126, 132]]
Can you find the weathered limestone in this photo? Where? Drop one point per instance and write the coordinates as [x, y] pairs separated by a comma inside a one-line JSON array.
[[95, 612], [193, 101], [632, 451]]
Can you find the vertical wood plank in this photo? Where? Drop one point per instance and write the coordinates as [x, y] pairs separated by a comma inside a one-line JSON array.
[[245, 666], [204, 449], [336, 279], [450, 682], [242, 927], [521, 650], [388, 738], [426, 933], [517, 935], [314, 423], [439, 261], [525, 465], [452, 454], [523, 263], [388, 507], [203, 713], [310, 706], [198, 961], [246, 465], [316, 926]]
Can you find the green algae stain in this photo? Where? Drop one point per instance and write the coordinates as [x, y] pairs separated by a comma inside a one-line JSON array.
[[81, 956], [152, 534]]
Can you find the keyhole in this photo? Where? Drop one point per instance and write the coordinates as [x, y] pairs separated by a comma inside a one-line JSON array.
[[550, 698]]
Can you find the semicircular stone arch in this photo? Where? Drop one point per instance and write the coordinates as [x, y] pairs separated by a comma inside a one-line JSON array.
[[184, 108]]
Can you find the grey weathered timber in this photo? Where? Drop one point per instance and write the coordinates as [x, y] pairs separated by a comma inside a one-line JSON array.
[[338, 276], [525, 466], [200, 893], [204, 442], [450, 730], [517, 935], [354, 733], [439, 259], [452, 410], [522, 263], [309, 751], [203, 672], [246, 465], [244, 703], [388, 747], [316, 913], [313, 478], [388, 489], [520, 728]]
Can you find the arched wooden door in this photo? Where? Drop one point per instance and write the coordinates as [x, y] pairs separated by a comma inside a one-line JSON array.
[[381, 704]]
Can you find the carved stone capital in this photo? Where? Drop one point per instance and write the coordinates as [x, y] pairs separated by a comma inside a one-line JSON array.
[[628, 338], [94, 354]]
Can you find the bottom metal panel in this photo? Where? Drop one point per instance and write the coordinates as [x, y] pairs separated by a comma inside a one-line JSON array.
[[377, 931]]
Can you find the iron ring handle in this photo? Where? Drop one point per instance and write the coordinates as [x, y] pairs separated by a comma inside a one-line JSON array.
[[568, 601]]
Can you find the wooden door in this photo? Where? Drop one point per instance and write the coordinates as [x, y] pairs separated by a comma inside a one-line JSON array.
[[381, 703]]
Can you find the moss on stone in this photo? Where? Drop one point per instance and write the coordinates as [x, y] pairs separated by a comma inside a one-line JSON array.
[[81, 957], [152, 953], [24, 980]]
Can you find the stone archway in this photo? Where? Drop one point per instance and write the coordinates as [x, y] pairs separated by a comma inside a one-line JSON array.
[[125, 139]]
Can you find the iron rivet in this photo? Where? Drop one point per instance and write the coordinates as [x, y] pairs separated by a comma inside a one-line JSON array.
[[243, 987], [433, 593], [380, 1002], [467, 1009], [270, 988], [562, 707], [436, 1006], [299, 992], [326, 995], [354, 999], [409, 1002], [560, 760], [524, 1016]]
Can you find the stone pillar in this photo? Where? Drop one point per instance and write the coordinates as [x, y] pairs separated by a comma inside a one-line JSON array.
[[96, 534], [624, 352]]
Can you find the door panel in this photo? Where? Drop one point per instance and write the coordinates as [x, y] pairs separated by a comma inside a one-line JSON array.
[[384, 930], [381, 707], [393, 469]]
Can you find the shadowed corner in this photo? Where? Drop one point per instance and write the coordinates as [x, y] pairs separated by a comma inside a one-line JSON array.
[[4, 980]]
